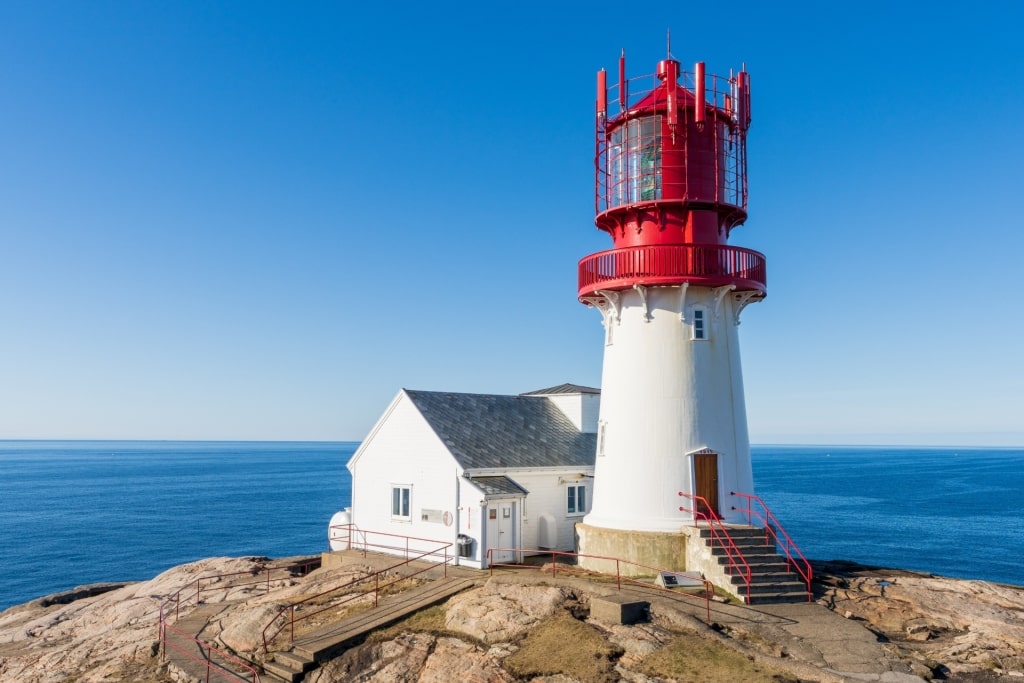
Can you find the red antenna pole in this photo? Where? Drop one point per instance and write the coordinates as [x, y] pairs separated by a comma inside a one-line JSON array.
[[698, 93], [622, 80]]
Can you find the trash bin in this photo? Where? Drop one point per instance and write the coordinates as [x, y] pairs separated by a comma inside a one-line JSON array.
[[465, 545]]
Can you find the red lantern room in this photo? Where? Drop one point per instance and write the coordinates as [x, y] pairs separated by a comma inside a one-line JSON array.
[[671, 181]]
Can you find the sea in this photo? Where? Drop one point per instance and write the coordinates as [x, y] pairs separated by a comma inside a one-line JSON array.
[[80, 512]]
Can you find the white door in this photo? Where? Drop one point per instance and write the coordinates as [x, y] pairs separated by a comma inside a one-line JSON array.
[[500, 527]]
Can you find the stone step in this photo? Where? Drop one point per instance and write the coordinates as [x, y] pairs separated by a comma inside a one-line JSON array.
[[777, 587], [768, 577], [748, 552], [736, 533], [760, 563], [777, 598], [281, 671], [293, 660]]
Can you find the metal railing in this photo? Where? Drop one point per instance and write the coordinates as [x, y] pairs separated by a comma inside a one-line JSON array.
[[232, 669], [184, 596], [708, 265], [720, 177], [736, 564], [709, 588], [777, 535], [287, 616]]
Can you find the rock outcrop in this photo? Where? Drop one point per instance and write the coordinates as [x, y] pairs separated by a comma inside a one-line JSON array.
[[956, 625], [963, 630], [500, 612]]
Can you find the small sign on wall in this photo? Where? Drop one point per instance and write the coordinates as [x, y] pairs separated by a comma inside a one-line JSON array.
[[433, 516]]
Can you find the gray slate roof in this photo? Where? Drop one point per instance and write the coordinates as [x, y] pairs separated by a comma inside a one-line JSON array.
[[498, 486], [485, 431], [563, 389]]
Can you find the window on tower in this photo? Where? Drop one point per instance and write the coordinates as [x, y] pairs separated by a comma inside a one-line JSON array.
[[634, 161], [700, 324]]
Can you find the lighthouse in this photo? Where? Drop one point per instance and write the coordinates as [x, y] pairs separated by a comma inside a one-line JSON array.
[[671, 186]]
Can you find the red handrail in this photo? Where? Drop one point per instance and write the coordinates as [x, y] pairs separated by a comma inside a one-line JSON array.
[[781, 538], [720, 535], [709, 588], [178, 600], [270, 633], [206, 659]]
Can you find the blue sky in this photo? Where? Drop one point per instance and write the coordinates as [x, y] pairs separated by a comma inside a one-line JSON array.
[[260, 220]]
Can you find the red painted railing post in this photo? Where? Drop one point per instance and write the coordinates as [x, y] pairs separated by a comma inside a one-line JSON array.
[[618, 574], [291, 620], [376, 588], [554, 564]]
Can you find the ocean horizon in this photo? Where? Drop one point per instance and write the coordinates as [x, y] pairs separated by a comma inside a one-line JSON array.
[[81, 512]]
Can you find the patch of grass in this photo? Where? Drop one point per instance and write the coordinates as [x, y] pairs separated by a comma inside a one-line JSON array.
[[698, 660], [429, 620], [564, 645]]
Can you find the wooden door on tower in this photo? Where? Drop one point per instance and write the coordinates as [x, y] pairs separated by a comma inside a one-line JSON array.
[[705, 479]]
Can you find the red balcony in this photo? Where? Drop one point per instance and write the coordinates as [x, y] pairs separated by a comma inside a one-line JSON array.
[[705, 265]]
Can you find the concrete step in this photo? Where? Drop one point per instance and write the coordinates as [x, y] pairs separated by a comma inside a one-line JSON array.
[[777, 598], [759, 564], [736, 533], [768, 577], [777, 587], [282, 670], [293, 660], [748, 553]]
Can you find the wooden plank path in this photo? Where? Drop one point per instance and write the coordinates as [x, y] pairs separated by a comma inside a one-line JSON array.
[[314, 647]]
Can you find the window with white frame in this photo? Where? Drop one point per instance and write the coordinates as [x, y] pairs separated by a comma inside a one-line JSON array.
[[700, 323], [576, 499], [401, 497]]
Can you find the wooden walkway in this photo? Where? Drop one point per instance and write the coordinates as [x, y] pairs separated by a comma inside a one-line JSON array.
[[306, 652]]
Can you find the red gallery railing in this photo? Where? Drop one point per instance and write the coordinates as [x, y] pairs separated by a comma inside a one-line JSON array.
[[709, 588], [775, 533], [736, 564], [708, 265]]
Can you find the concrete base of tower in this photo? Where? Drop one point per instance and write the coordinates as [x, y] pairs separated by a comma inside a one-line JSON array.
[[660, 549]]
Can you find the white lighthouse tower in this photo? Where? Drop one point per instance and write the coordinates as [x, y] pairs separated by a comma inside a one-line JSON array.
[[670, 187]]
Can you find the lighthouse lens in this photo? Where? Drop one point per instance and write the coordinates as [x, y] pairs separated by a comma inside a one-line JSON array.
[[634, 161]]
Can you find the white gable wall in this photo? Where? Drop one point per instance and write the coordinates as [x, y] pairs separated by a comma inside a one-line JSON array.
[[403, 450], [581, 409]]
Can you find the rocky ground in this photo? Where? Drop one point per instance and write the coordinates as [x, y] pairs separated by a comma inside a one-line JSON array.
[[965, 630], [942, 629]]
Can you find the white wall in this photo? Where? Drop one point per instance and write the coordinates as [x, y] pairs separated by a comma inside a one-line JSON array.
[[665, 395], [548, 494], [581, 409], [403, 450]]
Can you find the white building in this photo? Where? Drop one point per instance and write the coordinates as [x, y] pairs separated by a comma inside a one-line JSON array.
[[502, 471]]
